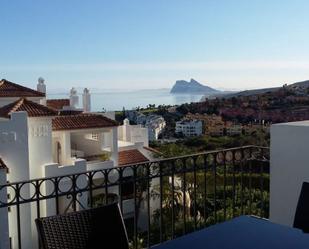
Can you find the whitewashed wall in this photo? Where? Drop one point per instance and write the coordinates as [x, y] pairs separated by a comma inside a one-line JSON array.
[[40, 144], [14, 152], [4, 224], [289, 168]]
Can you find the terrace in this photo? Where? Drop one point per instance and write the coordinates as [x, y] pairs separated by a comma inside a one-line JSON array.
[[166, 199]]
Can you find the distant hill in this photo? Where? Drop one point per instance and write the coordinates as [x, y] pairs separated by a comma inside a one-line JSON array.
[[193, 87], [250, 92], [301, 84]]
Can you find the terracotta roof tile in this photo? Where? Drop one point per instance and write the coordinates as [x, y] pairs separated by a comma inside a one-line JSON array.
[[131, 157], [69, 112], [2, 164], [33, 109], [82, 121], [57, 104], [10, 89]]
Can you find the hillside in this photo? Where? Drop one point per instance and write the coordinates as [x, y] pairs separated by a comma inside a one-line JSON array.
[[301, 84]]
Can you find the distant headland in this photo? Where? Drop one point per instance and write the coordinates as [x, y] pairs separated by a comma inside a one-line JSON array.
[[192, 87]]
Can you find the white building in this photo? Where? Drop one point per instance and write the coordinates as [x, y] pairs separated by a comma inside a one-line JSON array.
[[40, 138], [155, 125], [10, 92], [189, 128], [288, 168]]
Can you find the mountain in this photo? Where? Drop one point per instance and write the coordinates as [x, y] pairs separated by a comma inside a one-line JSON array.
[[182, 86], [250, 92], [303, 84], [297, 85]]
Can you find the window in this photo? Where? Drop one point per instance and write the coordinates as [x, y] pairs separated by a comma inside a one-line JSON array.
[[92, 136], [95, 136]]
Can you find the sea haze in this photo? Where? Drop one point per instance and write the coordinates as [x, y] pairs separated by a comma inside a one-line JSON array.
[[115, 100]]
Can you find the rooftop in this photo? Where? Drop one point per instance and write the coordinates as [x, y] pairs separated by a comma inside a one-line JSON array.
[[33, 109], [131, 157], [10, 89], [82, 121], [2, 164], [57, 104]]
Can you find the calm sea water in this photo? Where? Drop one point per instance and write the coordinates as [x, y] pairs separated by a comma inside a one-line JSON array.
[[116, 100]]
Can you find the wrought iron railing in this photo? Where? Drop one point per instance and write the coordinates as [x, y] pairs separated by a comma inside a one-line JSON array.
[[160, 200]]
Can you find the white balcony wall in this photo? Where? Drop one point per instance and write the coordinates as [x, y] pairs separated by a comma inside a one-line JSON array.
[[289, 168], [133, 133], [40, 144], [4, 224], [80, 142], [14, 151]]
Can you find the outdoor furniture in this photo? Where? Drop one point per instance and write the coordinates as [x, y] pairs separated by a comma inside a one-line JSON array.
[[244, 232], [96, 228], [301, 219]]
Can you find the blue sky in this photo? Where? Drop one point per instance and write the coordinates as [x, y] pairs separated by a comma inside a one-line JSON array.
[[230, 44]]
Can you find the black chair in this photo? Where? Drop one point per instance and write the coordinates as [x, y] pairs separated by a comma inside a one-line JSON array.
[[96, 228], [301, 219]]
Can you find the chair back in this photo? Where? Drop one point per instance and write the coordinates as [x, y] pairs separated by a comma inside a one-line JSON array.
[[96, 228], [301, 219]]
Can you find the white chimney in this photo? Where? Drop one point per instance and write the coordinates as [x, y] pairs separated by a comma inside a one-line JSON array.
[[86, 100], [74, 100], [41, 87], [126, 130], [126, 121]]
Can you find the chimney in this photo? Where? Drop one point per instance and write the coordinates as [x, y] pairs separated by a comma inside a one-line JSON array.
[[86, 100], [41, 87], [126, 130], [74, 100]]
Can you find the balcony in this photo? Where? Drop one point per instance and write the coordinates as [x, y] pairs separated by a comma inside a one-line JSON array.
[[160, 200]]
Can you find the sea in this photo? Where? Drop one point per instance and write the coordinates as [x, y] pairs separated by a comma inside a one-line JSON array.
[[113, 100]]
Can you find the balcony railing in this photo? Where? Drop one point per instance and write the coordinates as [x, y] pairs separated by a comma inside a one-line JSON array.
[[160, 200]]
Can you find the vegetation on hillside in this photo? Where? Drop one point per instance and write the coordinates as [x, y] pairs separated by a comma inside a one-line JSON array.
[[205, 143]]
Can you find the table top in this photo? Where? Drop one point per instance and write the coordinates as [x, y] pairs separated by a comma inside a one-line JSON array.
[[244, 232]]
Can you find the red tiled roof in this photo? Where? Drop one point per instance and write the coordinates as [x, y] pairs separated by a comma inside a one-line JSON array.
[[33, 109], [69, 112], [10, 89], [57, 104], [2, 164], [82, 121], [131, 157]]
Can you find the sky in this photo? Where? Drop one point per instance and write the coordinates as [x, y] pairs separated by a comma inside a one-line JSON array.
[[139, 44]]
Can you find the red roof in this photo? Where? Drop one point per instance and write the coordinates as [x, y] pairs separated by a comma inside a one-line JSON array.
[[57, 104], [33, 109], [82, 121], [2, 164], [69, 112], [131, 157], [10, 89]]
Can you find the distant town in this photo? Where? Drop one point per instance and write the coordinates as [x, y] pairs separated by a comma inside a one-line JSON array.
[[236, 118]]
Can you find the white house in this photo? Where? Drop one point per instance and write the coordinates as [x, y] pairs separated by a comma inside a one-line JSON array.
[[155, 125], [46, 138], [189, 128], [10, 92]]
